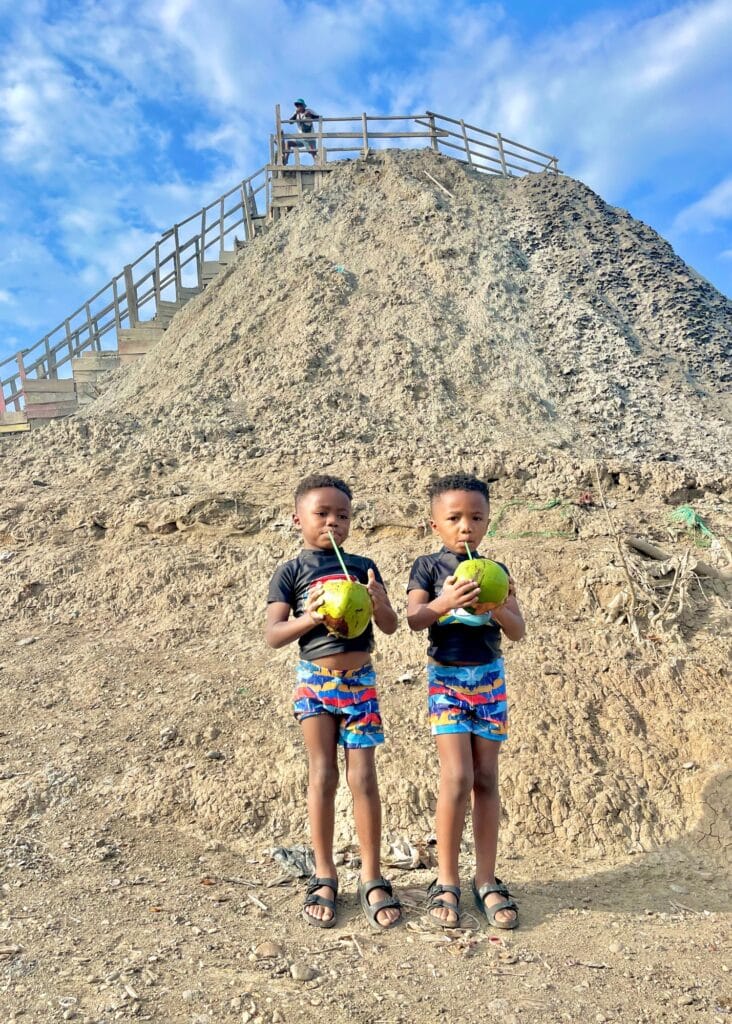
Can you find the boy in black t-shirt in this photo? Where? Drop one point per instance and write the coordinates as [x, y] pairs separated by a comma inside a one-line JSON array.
[[335, 696], [467, 696]]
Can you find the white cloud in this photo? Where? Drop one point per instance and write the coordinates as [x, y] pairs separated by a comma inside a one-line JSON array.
[[706, 213], [117, 120], [5, 296]]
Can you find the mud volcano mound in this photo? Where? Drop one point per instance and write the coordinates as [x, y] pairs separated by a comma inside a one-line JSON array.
[[387, 330], [509, 311]]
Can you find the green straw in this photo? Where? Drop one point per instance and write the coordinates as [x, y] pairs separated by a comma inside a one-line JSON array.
[[335, 548], [467, 550]]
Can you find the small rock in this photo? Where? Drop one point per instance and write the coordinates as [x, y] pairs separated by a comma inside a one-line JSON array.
[[686, 1000], [214, 755], [547, 669], [689, 765], [188, 995], [168, 735], [211, 733], [301, 972], [615, 947], [70, 1014], [268, 949], [26, 641]]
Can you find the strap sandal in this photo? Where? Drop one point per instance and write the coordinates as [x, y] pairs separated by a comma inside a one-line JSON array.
[[371, 910], [490, 912], [435, 891], [313, 899]]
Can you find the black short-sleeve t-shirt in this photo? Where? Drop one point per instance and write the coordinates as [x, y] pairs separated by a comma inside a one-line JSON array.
[[292, 581], [458, 636]]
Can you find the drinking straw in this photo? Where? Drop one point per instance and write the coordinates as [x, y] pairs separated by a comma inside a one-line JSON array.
[[335, 548], [467, 550]]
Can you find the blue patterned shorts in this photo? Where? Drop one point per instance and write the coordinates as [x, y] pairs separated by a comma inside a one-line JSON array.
[[350, 696], [468, 698]]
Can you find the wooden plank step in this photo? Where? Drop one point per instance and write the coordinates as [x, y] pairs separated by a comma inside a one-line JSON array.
[[14, 428], [86, 393], [46, 397], [135, 346], [12, 417], [94, 365], [42, 385], [50, 410], [143, 334]]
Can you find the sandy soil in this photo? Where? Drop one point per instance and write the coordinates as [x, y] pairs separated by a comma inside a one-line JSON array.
[[148, 760]]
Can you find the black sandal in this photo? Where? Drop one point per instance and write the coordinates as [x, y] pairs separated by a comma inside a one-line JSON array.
[[372, 909], [312, 899], [490, 912], [434, 902]]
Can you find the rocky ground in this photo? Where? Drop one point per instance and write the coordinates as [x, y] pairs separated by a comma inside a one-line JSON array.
[[149, 763]]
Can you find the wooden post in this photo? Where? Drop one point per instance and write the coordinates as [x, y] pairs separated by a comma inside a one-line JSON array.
[[69, 339], [322, 158], [365, 126], [131, 297], [21, 373], [221, 226], [176, 263], [115, 303], [156, 276], [502, 155], [248, 226], [279, 145], [433, 132], [51, 368], [2, 399], [467, 143], [90, 327]]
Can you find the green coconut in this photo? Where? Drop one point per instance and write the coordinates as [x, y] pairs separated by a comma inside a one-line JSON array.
[[346, 608], [490, 577]]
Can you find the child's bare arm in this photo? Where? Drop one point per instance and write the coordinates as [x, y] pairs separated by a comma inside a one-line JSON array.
[[422, 613], [282, 630], [384, 615], [508, 615]]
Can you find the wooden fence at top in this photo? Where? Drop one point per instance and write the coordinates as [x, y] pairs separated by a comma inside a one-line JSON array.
[[176, 260]]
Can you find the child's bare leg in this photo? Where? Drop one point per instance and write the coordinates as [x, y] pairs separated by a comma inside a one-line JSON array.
[[364, 786], [486, 816], [320, 733], [456, 782]]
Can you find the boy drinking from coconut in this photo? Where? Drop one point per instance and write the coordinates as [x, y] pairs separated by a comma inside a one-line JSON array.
[[467, 693], [335, 698]]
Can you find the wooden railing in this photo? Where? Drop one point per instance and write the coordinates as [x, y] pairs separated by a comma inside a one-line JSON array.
[[162, 273], [176, 259], [361, 134]]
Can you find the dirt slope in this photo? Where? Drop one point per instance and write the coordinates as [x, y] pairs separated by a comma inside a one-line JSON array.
[[386, 331]]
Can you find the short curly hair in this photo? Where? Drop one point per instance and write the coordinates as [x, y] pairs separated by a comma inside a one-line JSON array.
[[457, 482], [315, 481]]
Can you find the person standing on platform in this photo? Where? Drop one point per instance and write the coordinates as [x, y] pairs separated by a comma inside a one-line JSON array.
[[303, 117]]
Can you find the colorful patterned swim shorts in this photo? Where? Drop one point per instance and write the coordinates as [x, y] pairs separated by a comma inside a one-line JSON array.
[[350, 696], [468, 698]]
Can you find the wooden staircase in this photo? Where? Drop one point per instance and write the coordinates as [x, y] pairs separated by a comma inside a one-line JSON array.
[[129, 315], [49, 398]]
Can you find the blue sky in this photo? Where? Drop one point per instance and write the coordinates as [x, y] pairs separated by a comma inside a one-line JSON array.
[[119, 118]]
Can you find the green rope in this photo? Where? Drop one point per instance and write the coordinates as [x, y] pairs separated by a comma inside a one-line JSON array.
[[553, 503], [688, 517]]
